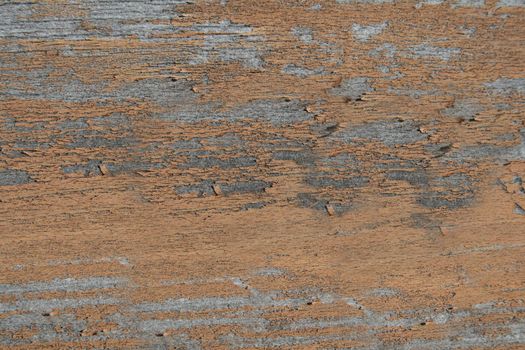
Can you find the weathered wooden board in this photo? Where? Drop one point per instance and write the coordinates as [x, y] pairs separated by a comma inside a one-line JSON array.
[[291, 174]]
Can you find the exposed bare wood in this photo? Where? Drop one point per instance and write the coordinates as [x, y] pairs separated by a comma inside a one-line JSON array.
[[221, 174]]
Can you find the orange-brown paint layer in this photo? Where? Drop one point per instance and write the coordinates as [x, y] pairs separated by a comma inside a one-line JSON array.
[[231, 174]]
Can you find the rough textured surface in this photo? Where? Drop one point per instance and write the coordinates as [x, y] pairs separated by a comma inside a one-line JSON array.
[[233, 174]]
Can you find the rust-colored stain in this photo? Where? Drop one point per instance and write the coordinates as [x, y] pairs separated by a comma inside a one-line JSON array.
[[286, 174]]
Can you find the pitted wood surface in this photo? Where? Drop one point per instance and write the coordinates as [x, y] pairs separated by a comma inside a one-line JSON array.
[[339, 174]]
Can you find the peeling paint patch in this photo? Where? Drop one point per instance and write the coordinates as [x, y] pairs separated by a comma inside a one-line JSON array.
[[284, 341], [518, 209], [507, 86], [64, 285], [255, 186], [156, 326], [465, 110], [382, 151], [133, 10], [50, 304], [436, 200], [490, 151], [279, 111], [387, 50], [227, 163], [429, 51], [255, 205], [269, 272], [364, 32], [391, 133], [132, 166], [364, 1], [429, 2], [12, 177], [353, 88], [301, 72], [416, 177], [299, 157], [258, 300], [101, 142], [304, 34], [469, 3], [228, 42], [88, 261], [92, 167], [329, 181], [205, 187], [511, 3], [317, 202], [383, 292]]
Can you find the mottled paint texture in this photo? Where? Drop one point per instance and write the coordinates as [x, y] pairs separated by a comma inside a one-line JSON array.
[[273, 174]]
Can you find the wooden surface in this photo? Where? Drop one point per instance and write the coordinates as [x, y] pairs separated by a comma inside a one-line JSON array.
[[286, 174]]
